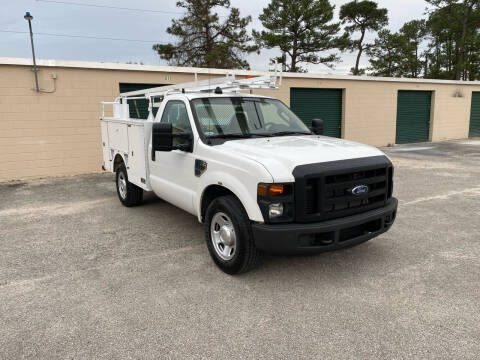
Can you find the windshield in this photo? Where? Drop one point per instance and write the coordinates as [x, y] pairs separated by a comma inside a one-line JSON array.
[[246, 117]]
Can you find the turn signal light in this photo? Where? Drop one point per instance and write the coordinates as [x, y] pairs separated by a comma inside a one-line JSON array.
[[275, 190], [270, 190], [262, 190]]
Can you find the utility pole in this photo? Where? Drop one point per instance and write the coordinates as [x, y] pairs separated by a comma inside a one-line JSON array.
[[29, 18]]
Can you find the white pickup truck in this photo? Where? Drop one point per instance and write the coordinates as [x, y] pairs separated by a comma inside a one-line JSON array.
[[251, 171]]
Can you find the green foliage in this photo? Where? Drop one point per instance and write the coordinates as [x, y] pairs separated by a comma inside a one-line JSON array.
[[413, 34], [301, 29], [399, 54], [386, 55], [360, 16], [204, 41], [446, 46], [444, 32], [454, 27]]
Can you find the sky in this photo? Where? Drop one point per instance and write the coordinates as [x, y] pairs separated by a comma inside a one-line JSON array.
[[53, 17]]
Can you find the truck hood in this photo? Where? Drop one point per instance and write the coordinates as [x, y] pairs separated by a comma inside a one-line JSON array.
[[280, 155]]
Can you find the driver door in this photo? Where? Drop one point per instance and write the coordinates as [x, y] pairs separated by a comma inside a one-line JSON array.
[[172, 172]]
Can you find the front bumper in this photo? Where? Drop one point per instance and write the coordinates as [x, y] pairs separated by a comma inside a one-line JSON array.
[[329, 235]]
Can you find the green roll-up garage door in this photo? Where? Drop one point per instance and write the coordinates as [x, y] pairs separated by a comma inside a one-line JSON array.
[[475, 115], [138, 107], [325, 104], [413, 116]]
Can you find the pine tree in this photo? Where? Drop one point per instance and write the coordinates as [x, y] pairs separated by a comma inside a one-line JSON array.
[[399, 54], [205, 41], [464, 13], [386, 55], [361, 16], [302, 30], [413, 34]]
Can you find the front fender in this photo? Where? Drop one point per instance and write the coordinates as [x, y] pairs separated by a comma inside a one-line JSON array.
[[246, 193]]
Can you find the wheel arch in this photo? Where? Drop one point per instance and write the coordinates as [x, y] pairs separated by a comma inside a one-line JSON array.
[[210, 193], [213, 190], [118, 160]]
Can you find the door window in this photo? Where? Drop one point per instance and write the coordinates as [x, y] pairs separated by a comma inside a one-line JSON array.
[[176, 113]]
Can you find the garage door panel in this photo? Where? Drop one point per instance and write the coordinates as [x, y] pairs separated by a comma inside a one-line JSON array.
[[413, 116], [325, 104], [475, 115]]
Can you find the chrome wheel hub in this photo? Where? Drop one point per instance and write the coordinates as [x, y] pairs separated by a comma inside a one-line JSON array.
[[122, 185], [223, 236]]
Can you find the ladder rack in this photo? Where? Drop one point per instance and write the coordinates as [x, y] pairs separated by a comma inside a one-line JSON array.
[[227, 83]]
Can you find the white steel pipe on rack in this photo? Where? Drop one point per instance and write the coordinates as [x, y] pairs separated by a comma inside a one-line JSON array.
[[227, 83]]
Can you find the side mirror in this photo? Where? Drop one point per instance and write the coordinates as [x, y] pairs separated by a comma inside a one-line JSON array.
[[162, 139], [317, 126]]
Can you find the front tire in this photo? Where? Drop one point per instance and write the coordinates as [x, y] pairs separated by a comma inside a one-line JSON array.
[[229, 237], [128, 193]]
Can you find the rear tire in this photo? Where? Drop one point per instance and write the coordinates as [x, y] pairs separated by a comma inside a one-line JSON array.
[[229, 237], [128, 193]]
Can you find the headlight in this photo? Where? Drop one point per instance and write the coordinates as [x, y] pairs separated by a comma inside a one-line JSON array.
[[276, 202], [275, 210]]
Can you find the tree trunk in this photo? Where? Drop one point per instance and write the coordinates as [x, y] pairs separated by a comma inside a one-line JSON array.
[[359, 55], [390, 63], [461, 47], [208, 41], [425, 74], [415, 75], [293, 66]]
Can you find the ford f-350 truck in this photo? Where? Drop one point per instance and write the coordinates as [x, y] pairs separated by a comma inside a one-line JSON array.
[[252, 172]]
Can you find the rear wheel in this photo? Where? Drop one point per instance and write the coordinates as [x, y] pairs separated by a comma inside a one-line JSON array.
[[229, 236], [128, 193]]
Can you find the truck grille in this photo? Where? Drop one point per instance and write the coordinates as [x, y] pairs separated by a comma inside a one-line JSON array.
[[324, 191]]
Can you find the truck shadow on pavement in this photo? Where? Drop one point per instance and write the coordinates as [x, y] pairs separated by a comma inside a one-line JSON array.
[[348, 262]]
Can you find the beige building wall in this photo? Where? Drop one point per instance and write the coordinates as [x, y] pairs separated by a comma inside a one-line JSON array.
[[58, 133], [370, 107], [452, 104]]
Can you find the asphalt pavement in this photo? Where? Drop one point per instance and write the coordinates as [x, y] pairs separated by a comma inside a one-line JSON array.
[[83, 277]]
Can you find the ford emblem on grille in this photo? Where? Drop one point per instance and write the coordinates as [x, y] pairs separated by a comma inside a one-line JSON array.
[[360, 189]]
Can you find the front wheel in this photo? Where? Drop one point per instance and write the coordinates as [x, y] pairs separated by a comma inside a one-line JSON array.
[[229, 236], [128, 193]]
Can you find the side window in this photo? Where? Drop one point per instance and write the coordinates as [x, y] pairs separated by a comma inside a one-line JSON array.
[[175, 112]]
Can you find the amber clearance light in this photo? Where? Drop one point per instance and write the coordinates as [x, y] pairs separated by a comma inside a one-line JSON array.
[[271, 190]]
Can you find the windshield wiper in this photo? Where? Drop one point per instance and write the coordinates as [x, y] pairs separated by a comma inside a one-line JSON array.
[[238, 136], [285, 133], [229, 136]]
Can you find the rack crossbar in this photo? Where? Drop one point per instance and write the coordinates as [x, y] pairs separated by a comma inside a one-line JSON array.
[[227, 83]]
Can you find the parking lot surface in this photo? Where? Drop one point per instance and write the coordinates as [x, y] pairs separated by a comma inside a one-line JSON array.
[[83, 277]]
